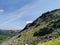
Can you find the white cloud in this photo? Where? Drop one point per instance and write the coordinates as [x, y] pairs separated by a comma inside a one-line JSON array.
[[1, 10], [28, 22]]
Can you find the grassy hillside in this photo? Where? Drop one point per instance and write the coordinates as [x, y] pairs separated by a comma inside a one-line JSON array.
[[52, 42], [43, 29], [6, 34]]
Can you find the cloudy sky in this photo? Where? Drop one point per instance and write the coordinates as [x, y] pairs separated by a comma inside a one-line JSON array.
[[15, 14]]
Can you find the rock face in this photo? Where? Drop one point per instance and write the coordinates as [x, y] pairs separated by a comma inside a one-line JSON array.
[[44, 28]]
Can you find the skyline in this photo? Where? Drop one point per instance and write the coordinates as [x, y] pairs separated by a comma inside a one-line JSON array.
[[15, 14]]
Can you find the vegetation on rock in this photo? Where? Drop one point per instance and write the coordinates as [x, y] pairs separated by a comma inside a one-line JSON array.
[[46, 28]]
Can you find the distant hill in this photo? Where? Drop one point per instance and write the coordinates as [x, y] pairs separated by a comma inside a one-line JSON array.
[[44, 29], [6, 34]]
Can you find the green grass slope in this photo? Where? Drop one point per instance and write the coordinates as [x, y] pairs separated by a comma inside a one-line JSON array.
[[43, 29], [52, 42]]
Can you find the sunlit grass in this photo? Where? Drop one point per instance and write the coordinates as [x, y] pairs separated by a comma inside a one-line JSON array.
[[52, 42]]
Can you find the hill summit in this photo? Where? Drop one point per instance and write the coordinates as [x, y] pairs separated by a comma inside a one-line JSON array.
[[43, 29]]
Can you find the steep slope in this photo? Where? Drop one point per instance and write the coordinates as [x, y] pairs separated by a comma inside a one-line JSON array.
[[52, 42], [43, 29], [6, 34]]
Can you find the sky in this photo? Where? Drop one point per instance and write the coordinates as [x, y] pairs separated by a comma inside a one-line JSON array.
[[15, 14]]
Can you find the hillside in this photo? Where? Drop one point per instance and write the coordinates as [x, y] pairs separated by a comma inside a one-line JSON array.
[[44, 29], [52, 42], [6, 34]]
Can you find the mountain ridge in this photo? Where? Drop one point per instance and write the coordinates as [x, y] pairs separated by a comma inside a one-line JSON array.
[[43, 29]]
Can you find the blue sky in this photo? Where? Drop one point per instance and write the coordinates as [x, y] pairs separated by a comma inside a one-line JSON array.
[[14, 14]]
